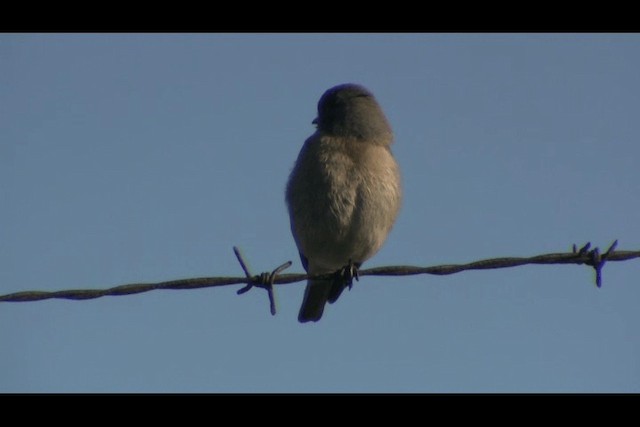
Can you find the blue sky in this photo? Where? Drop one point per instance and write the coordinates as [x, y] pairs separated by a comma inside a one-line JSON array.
[[146, 157]]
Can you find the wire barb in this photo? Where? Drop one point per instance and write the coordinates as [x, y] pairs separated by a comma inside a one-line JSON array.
[[595, 259], [264, 280], [583, 250], [611, 249]]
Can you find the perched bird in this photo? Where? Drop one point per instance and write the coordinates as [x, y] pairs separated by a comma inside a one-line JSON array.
[[343, 193]]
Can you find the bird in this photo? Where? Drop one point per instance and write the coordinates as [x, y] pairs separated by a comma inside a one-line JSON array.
[[343, 193]]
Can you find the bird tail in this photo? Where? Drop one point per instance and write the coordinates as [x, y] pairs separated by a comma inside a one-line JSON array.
[[315, 297]]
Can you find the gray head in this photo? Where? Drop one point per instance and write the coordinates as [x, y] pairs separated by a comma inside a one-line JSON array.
[[350, 110]]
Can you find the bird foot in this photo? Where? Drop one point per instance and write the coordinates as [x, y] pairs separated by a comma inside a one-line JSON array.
[[343, 278], [349, 272]]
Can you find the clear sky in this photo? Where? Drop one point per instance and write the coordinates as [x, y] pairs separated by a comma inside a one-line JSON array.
[[147, 157]]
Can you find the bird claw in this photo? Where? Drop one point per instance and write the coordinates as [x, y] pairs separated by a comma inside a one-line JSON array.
[[349, 272]]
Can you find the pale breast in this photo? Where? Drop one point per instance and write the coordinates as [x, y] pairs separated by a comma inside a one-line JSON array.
[[343, 199]]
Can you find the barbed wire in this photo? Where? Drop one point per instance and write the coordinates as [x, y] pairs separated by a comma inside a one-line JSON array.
[[266, 281]]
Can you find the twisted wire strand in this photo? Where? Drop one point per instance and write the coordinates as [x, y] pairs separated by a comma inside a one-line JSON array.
[[592, 258]]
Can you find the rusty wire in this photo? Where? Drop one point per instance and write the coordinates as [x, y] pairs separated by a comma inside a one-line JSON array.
[[266, 281]]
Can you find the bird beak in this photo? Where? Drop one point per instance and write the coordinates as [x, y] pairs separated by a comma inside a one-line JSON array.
[[315, 121]]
